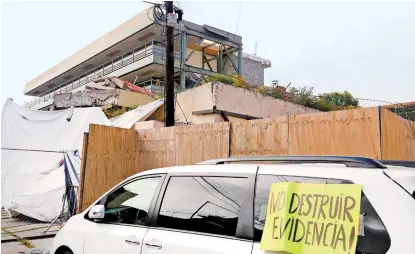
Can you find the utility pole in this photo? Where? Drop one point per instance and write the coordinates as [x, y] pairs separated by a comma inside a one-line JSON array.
[[169, 85]]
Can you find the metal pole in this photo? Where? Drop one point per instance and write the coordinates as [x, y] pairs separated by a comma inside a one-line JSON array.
[[220, 60], [240, 60], [182, 60], [63, 206], [51, 224], [169, 69]]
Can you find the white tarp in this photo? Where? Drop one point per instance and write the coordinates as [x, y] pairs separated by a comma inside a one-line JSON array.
[[141, 113], [32, 176]]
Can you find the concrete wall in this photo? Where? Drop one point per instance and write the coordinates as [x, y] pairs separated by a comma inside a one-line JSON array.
[[118, 34], [199, 98], [148, 125], [131, 99], [234, 100], [253, 68], [242, 101], [253, 72]]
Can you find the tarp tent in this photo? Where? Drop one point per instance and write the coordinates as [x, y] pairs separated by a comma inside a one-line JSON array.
[[36, 145]]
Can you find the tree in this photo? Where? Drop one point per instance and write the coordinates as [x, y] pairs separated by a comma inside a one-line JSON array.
[[337, 101]]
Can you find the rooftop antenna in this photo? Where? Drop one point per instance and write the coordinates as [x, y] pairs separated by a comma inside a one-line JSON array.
[[255, 48]]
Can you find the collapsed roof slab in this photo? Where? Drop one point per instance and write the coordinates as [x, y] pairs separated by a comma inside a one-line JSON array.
[[101, 98]]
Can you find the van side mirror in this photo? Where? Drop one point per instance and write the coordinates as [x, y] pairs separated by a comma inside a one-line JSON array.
[[97, 212]]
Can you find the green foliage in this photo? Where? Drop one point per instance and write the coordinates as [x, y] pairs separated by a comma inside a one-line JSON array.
[[116, 111], [407, 112], [221, 78], [235, 80], [240, 82], [305, 96], [298, 95]]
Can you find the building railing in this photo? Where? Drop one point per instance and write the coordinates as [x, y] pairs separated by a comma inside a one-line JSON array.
[[127, 58], [150, 82], [156, 86]]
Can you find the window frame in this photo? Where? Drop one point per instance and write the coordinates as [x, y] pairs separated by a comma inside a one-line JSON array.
[[151, 208], [343, 181], [244, 229]]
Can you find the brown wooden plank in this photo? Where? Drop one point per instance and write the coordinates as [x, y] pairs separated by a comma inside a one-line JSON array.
[[260, 137], [398, 137], [111, 158], [155, 148], [82, 173], [196, 143], [347, 132]]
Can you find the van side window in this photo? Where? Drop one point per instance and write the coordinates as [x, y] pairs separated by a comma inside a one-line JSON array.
[[129, 204], [203, 204], [376, 239]]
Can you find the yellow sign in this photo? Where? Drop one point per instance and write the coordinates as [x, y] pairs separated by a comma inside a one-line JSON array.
[[312, 218]]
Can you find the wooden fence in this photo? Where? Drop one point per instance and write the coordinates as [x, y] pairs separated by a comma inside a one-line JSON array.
[[113, 154]]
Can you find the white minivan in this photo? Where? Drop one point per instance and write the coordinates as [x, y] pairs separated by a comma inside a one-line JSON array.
[[217, 207]]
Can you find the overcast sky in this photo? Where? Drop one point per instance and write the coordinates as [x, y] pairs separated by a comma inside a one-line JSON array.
[[365, 48]]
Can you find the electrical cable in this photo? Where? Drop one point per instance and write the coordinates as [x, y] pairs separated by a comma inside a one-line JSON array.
[[222, 189], [187, 122], [229, 198], [237, 22], [236, 209]]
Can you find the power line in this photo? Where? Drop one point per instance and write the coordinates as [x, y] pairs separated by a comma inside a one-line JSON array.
[[213, 187], [187, 122], [236, 209], [239, 15]]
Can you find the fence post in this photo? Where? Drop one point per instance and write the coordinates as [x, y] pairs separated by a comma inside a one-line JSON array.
[[380, 131], [83, 172], [288, 136]]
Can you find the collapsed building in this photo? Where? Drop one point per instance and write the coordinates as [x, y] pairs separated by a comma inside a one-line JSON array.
[[135, 52]]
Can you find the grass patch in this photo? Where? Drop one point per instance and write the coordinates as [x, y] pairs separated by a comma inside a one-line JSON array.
[[25, 242]]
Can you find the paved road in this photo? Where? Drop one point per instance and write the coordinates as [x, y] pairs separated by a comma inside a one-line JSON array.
[[17, 248]]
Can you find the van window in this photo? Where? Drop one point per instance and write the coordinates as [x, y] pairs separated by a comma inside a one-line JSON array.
[[376, 238], [129, 204], [203, 204]]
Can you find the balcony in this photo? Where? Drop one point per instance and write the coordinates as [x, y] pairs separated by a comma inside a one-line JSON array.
[[151, 48]]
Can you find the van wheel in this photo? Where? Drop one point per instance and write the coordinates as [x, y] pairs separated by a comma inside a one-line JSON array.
[[63, 250]]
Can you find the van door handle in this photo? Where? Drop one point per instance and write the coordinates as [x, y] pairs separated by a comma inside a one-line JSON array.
[[157, 246], [132, 242]]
